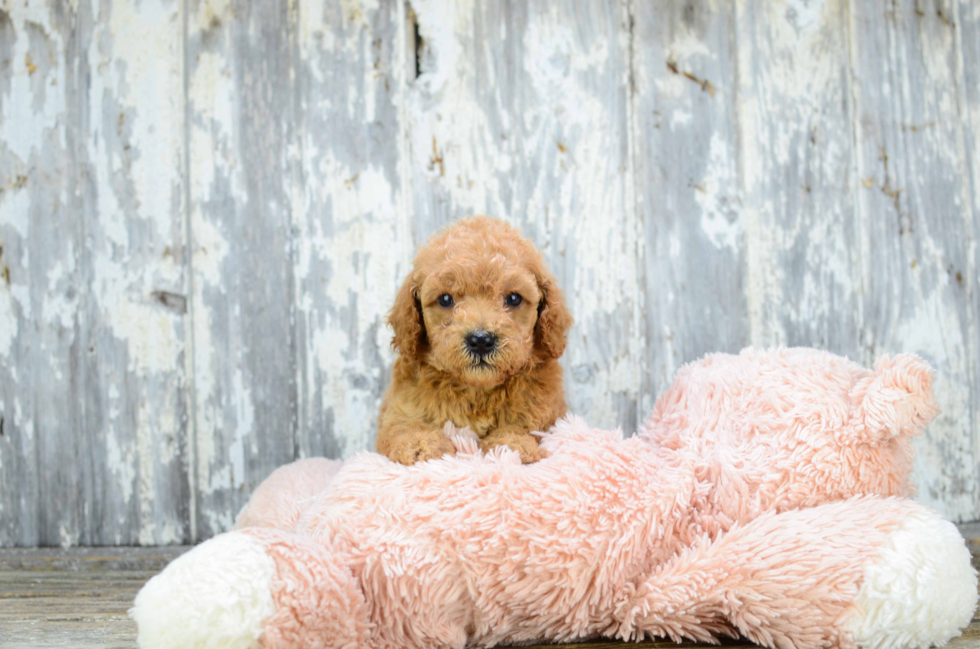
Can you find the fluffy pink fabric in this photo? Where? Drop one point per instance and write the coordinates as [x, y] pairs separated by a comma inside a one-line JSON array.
[[780, 429], [786, 580], [282, 497], [726, 515], [482, 550], [318, 603]]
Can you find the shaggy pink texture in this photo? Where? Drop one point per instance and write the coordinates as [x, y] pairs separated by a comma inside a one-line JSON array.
[[482, 550], [781, 580], [754, 501], [318, 603], [282, 497], [780, 429]]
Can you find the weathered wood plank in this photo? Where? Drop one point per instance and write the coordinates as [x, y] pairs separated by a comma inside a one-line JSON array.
[[685, 148], [30, 345], [241, 105], [93, 280], [521, 112], [352, 237], [797, 171], [967, 26], [75, 559], [699, 175], [919, 237], [77, 598], [132, 325]]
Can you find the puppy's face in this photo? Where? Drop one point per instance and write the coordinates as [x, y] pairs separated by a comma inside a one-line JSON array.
[[479, 305], [479, 313]]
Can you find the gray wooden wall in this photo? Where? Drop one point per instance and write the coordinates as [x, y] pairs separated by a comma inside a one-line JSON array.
[[206, 207]]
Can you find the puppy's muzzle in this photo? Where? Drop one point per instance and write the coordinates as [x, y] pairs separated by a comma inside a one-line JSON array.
[[481, 343]]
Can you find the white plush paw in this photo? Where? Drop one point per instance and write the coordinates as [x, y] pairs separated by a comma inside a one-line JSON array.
[[216, 595], [922, 590]]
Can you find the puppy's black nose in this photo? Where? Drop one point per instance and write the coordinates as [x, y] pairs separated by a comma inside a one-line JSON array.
[[481, 342]]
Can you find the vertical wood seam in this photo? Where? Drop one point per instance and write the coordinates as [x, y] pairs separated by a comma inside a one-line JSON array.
[[751, 221], [406, 194], [633, 219], [190, 348], [971, 218], [863, 280], [295, 149], [72, 137]]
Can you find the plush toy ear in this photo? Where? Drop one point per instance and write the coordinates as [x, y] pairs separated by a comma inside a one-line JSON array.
[[899, 399], [405, 319], [554, 319]]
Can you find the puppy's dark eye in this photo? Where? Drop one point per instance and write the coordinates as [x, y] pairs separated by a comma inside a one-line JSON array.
[[446, 300], [514, 299]]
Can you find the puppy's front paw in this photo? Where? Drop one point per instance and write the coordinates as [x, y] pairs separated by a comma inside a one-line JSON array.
[[419, 446], [526, 445]]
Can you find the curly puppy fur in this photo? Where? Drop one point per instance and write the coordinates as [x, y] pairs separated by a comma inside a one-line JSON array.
[[502, 388]]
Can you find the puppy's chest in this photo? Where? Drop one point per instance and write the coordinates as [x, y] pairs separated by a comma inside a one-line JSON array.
[[479, 423], [480, 411], [481, 415]]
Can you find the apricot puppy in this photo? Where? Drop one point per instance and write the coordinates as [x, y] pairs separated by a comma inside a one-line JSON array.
[[479, 325]]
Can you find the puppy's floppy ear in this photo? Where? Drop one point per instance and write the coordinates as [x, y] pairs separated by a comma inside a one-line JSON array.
[[405, 319], [554, 319]]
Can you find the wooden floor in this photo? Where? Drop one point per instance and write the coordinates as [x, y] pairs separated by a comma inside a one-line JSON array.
[[78, 598]]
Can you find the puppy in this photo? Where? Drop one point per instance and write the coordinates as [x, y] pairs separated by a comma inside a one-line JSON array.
[[479, 325]]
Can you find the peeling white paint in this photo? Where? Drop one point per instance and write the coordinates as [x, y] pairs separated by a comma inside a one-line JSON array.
[[944, 451], [25, 421], [244, 429], [210, 251], [113, 142], [68, 537], [23, 123], [575, 186], [120, 463], [145, 51], [153, 343], [358, 266], [8, 322], [210, 12], [152, 340], [205, 383], [357, 11], [764, 277], [761, 173], [313, 28], [210, 89], [441, 26], [148, 438], [212, 151], [60, 306], [15, 202], [680, 117], [720, 214]]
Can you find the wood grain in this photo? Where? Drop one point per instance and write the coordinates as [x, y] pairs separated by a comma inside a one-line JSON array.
[[966, 24], [520, 112], [91, 295], [685, 141], [352, 241], [206, 207], [918, 230], [797, 175], [241, 114], [78, 598]]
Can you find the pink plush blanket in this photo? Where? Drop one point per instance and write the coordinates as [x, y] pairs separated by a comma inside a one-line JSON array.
[[766, 495]]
